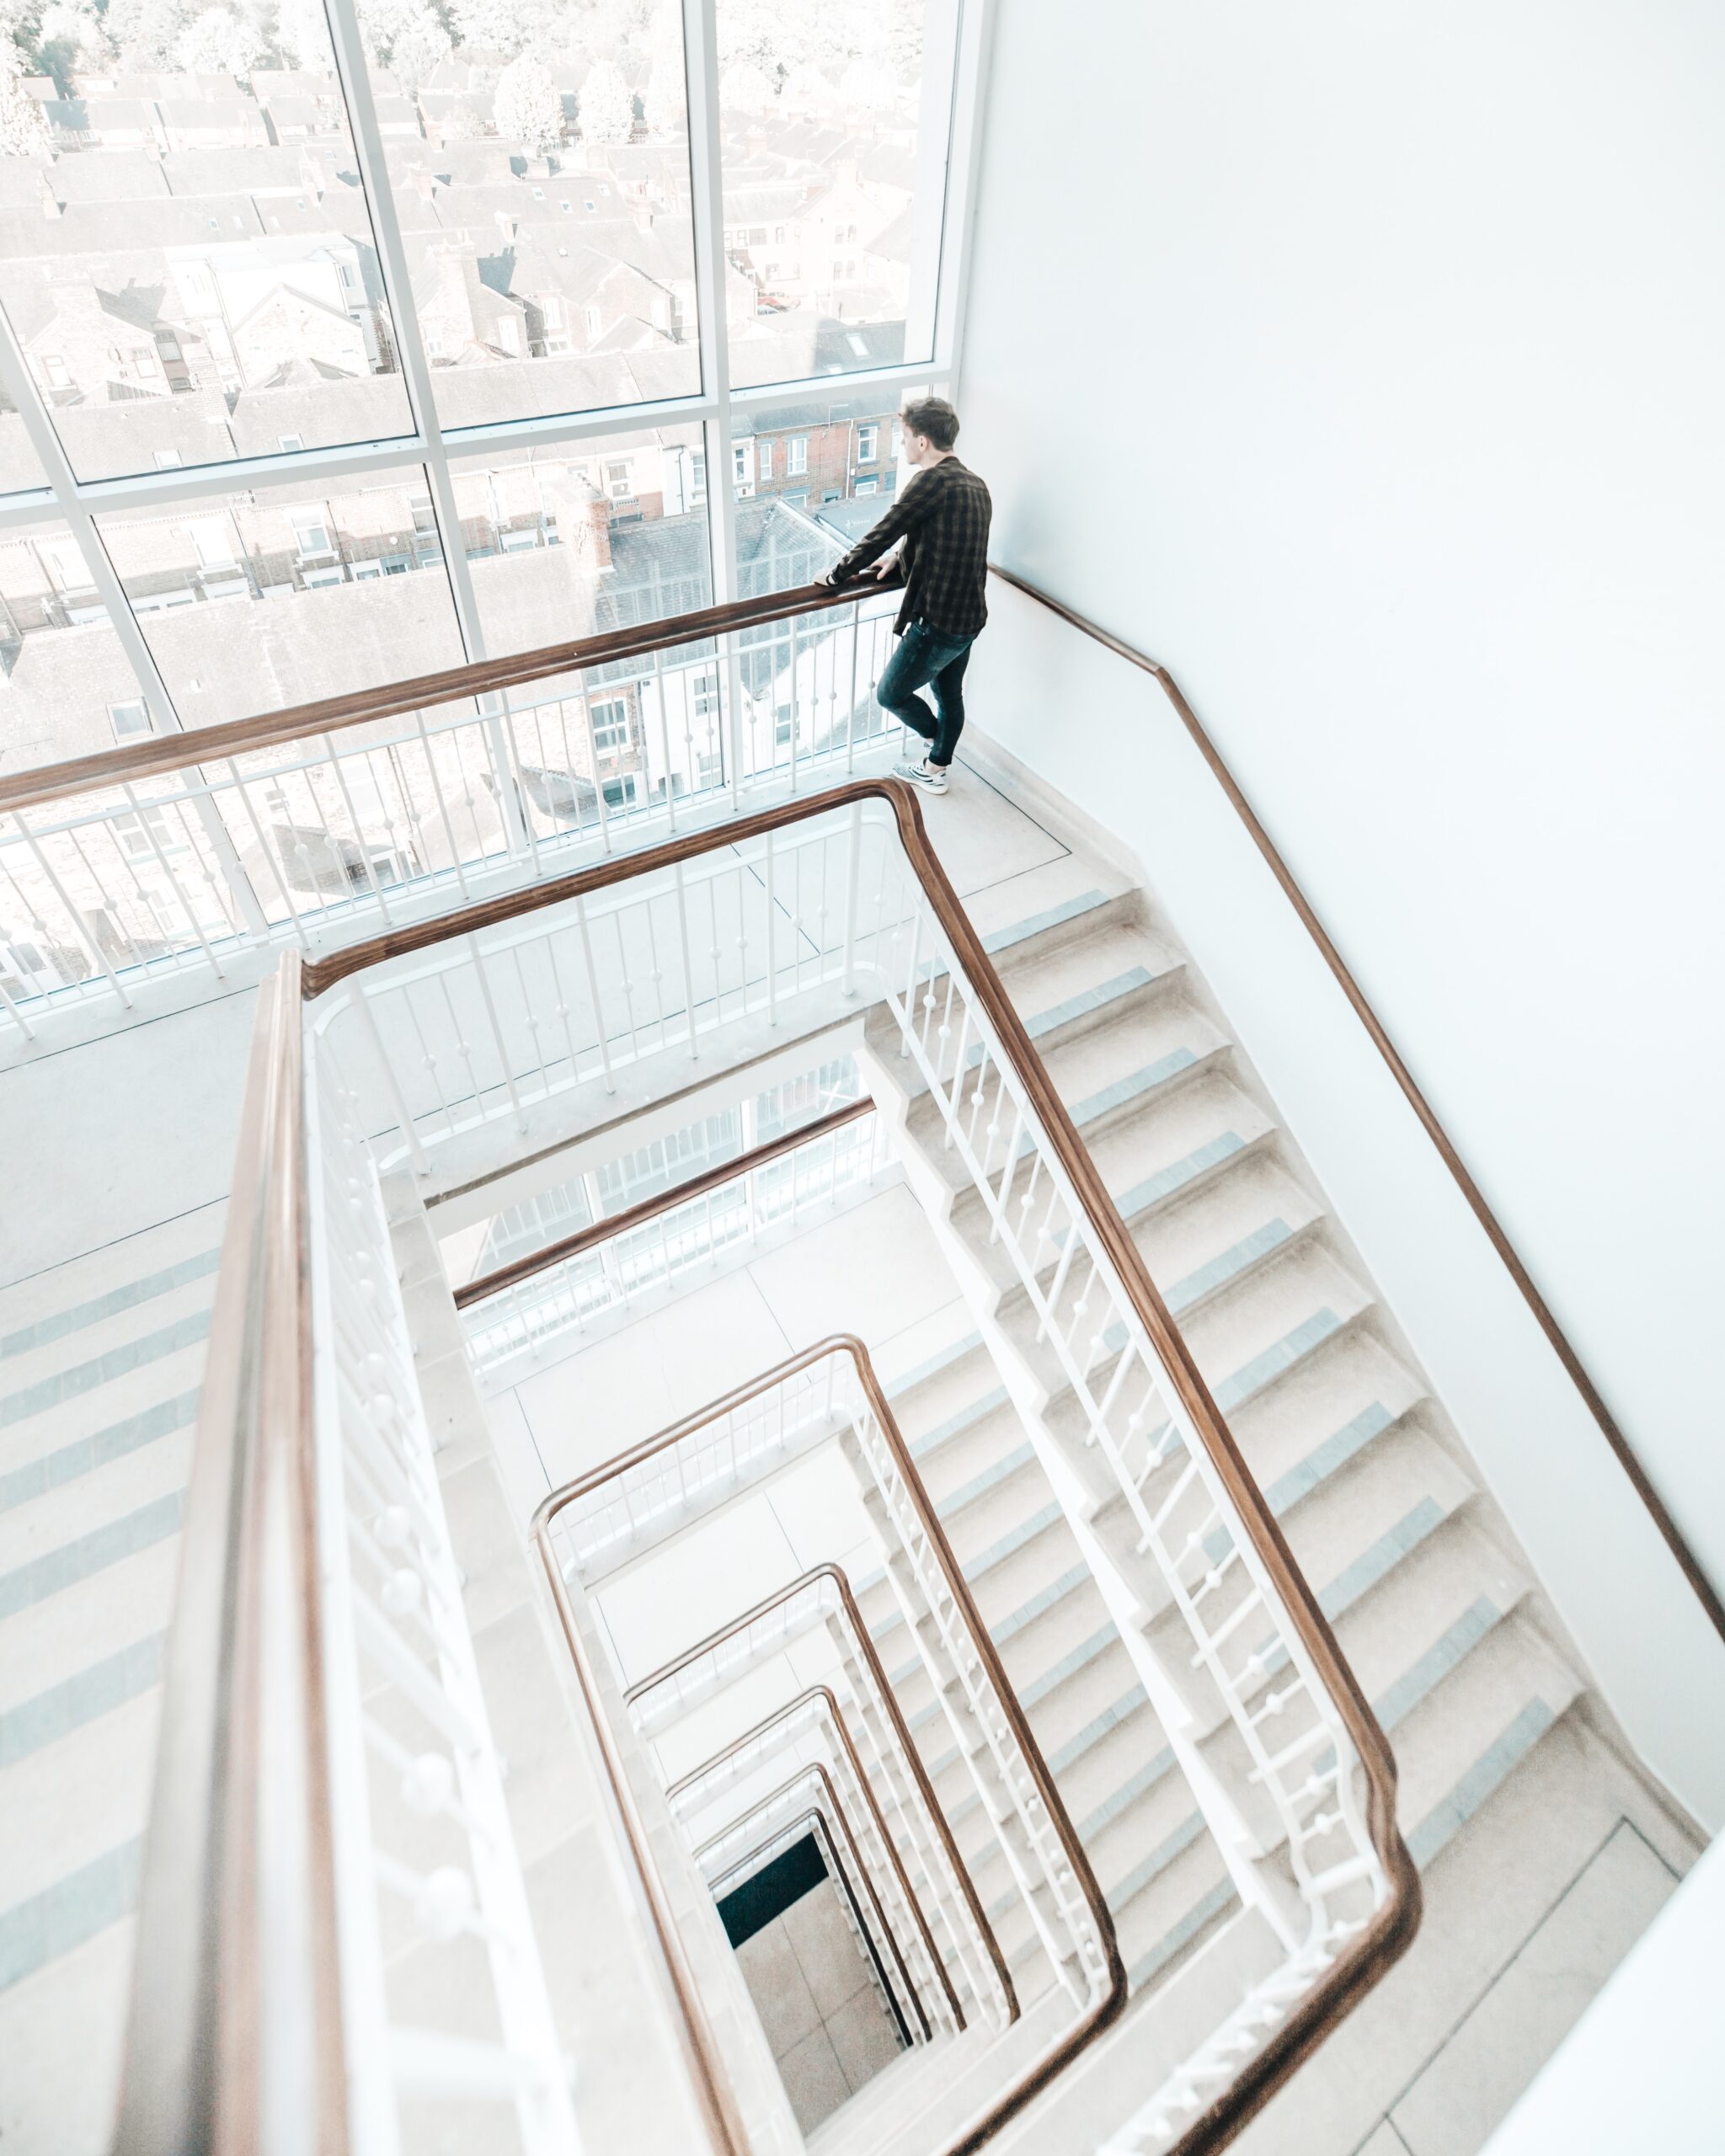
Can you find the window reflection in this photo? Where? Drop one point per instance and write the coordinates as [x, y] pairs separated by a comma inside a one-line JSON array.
[[189, 263]]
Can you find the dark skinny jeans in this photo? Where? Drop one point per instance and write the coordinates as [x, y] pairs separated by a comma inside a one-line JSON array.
[[927, 657]]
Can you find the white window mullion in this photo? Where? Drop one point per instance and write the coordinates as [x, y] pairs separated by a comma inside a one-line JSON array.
[[964, 168], [19, 385], [398, 287], [706, 174]]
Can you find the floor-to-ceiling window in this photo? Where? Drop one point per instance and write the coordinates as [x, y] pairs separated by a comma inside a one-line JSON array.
[[340, 343]]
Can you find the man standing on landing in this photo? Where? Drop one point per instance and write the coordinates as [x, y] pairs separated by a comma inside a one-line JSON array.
[[942, 520]]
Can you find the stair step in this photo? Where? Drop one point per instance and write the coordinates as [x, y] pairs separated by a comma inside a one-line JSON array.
[[170, 1366], [66, 1803], [77, 1511], [50, 1641]]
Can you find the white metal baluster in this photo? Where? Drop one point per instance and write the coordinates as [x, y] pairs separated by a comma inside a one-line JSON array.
[[851, 709], [599, 1023], [562, 1009], [772, 952], [81, 928], [23, 1023], [852, 877], [269, 853], [688, 974], [368, 1019], [347, 802], [593, 766], [455, 852], [186, 906], [671, 804], [796, 715]]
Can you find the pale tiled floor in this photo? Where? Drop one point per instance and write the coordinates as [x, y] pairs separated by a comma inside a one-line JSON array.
[[876, 1272], [1452, 2106], [822, 2017]]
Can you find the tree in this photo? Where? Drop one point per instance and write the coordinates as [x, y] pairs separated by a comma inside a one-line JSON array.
[[605, 108], [146, 31], [23, 126], [220, 42], [744, 89], [507, 26], [302, 35], [529, 106], [419, 50], [70, 37]]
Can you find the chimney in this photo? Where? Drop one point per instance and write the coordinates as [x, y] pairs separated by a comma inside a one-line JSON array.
[[642, 217], [505, 226], [426, 183], [52, 206]]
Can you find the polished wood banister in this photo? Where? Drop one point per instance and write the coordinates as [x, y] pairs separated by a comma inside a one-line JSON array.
[[870, 1655], [243, 1712], [825, 1694], [1687, 1562], [817, 1771], [173, 752], [815, 1819], [667, 1200]]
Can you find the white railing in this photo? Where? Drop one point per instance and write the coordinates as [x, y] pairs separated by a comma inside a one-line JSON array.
[[889, 1758], [313, 838], [811, 1729], [424, 1849], [494, 1024], [623, 1268], [882, 1914]]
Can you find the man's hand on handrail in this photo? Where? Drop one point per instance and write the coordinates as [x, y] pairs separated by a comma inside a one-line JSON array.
[[880, 572]]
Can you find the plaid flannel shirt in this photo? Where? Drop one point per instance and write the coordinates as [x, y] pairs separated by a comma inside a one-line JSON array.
[[943, 517]]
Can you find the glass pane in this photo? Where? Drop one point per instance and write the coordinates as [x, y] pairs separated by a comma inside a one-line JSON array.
[[834, 177], [20, 467], [810, 477], [190, 264], [252, 602], [572, 541], [546, 207], [68, 689]]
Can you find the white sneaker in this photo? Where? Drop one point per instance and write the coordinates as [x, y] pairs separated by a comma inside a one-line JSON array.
[[929, 776]]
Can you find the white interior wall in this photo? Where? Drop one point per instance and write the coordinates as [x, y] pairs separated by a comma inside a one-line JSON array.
[[1360, 361]]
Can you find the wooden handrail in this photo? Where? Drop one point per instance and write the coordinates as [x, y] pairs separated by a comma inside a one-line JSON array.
[[825, 1695], [1388, 1934], [243, 1717], [201, 745], [869, 1656], [1687, 1562], [1032, 2080], [815, 1819], [648, 1208], [817, 1770]]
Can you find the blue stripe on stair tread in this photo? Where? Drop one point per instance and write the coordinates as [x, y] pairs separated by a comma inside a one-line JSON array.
[[954, 1352], [1142, 1080], [1396, 1701], [1152, 1866], [1228, 1265], [36, 1477], [1099, 1727], [1355, 1581], [1178, 1173], [979, 1567], [64, 1707], [954, 1426], [1322, 1462], [1127, 1794], [1070, 1582], [1220, 1897], [1084, 1004], [1483, 1779], [64, 1915], [1051, 1679], [84, 1377], [95, 1552], [56, 1326], [1280, 1356], [1021, 932], [991, 1476]]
